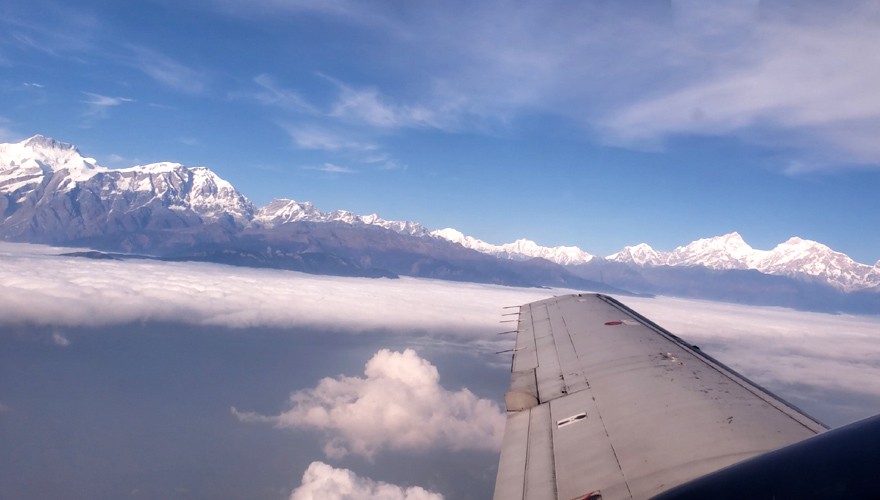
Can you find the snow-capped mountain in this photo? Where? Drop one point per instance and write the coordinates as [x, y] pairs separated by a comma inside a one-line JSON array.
[[283, 211], [48, 188], [49, 191], [729, 251], [640, 255], [795, 258], [804, 257], [521, 249]]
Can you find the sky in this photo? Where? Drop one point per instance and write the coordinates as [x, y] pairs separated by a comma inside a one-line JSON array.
[[596, 123], [197, 380]]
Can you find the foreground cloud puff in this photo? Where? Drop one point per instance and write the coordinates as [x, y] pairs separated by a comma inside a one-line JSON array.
[[323, 482], [399, 405]]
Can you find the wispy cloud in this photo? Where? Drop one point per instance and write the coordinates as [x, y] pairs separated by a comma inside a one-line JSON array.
[[332, 168], [272, 94], [368, 106], [103, 101], [797, 80], [324, 482], [399, 404], [326, 140], [356, 12], [807, 81], [165, 70], [97, 105], [366, 153], [53, 28]]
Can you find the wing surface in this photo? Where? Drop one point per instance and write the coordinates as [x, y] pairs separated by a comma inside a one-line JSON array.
[[604, 402]]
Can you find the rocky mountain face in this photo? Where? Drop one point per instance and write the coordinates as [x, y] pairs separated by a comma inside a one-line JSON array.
[[284, 211], [50, 193]]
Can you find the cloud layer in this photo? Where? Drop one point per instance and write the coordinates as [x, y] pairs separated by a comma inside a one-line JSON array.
[[39, 287], [398, 405], [786, 349], [324, 482]]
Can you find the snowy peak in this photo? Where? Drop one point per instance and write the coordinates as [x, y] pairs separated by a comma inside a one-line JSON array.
[[453, 235], [283, 211], [729, 251], [797, 249], [521, 249], [44, 143], [42, 174], [796, 257], [640, 255], [32, 162], [458, 237], [799, 256]]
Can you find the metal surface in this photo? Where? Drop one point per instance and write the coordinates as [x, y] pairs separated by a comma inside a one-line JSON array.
[[658, 411]]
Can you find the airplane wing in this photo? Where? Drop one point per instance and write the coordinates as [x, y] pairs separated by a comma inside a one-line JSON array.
[[603, 403]]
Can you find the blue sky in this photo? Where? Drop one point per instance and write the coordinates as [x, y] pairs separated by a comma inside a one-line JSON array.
[[596, 123]]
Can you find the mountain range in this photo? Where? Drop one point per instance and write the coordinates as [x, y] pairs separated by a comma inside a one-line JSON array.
[[50, 193], [796, 257]]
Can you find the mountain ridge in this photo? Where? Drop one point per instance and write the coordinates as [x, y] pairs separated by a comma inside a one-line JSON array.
[[50, 193]]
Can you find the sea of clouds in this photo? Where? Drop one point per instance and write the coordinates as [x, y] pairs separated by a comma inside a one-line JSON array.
[[828, 364]]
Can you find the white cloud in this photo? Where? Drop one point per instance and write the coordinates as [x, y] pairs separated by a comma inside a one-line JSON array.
[[794, 76], [368, 153], [166, 70], [60, 340], [318, 138], [398, 405], [103, 101], [272, 94], [802, 80], [97, 104], [39, 287], [368, 106], [324, 482], [332, 168], [774, 346]]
